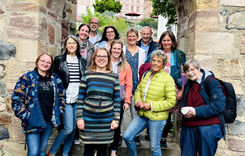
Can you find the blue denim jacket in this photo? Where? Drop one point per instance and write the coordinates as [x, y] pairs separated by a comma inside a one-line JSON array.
[[26, 106]]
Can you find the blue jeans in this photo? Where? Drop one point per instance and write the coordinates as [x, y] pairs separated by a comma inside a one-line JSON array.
[[37, 142], [201, 139], [66, 135], [155, 133]]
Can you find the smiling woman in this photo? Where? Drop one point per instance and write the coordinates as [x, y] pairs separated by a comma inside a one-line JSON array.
[[154, 96], [38, 100], [98, 109]]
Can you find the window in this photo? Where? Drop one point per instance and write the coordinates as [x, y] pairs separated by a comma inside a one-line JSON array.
[[126, 8], [132, 8], [138, 1], [132, 1], [138, 10], [145, 1]]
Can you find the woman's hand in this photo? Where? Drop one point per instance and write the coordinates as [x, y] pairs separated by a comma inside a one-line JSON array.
[[125, 106], [80, 124], [180, 94], [147, 106], [191, 112], [114, 125], [140, 104]]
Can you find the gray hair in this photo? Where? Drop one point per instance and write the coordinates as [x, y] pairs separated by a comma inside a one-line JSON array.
[[193, 62], [161, 54]]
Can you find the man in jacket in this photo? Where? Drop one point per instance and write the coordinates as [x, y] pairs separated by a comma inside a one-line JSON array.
[[146, 42], [94, 35]]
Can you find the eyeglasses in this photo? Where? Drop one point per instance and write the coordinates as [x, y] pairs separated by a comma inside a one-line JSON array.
[[43, 61], [102, 56]]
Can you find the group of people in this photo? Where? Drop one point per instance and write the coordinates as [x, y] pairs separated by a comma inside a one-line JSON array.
[[97, 78]]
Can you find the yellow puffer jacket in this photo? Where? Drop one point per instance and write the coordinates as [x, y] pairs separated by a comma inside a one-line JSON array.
[[161, 93]]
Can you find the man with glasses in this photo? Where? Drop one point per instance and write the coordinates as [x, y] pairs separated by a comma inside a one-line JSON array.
[[94, 35]]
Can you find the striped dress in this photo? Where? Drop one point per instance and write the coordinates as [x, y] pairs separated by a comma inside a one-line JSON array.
[[98, 105]]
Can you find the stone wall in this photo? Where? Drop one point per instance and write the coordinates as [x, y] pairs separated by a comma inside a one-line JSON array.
[[27, 28], [213, 32]]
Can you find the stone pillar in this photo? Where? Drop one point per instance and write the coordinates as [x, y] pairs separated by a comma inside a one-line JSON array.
[[213, 32], [28, 28]]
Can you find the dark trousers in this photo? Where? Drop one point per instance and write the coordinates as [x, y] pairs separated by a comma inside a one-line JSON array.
[[200, 139], [89, 149], [167, 127], [117, 132]]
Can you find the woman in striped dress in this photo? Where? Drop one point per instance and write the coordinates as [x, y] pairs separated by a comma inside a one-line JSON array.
[[98, 107], [70, 66]]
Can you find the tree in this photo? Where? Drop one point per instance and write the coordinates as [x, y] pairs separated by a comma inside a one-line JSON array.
[[107, 5], [166, 9], [149, 22], [105, 20]]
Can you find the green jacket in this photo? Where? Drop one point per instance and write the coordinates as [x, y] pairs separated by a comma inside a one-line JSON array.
[[161, 94]]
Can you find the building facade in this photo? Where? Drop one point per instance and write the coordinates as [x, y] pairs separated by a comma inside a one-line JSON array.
[[142, 7]]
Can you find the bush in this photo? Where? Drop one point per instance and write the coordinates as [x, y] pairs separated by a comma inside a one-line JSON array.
[[105, 20], [151, 22]]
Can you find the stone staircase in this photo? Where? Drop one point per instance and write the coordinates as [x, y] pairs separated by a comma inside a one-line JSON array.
[[144, 150]]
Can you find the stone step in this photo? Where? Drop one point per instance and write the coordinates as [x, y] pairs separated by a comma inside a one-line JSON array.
[[144, 150]]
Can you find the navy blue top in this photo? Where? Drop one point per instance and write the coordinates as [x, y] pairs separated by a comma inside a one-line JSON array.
[[133, 62]]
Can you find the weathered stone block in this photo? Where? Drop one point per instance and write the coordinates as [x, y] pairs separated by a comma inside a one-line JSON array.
[[203, 20], [2, 105], [2, 71], [214, 42], [43, 29], [27, 54], [15, 130], [21, 27], [4, 134], [2, 88], [224, 67], [49, 4], [243, 45], [206, 4], [206, 61], [5, 118], [14, 149], [1, 11], [236, 128], [236, 21], [7, 50], [236, 144], [51, 34], [238, 3], [24, 6], [183, 26]]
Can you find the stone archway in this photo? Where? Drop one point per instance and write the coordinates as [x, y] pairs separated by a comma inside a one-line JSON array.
[[213, 32]]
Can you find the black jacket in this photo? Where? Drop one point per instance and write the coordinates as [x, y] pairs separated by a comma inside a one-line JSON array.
[[152, 46], [61, 68]]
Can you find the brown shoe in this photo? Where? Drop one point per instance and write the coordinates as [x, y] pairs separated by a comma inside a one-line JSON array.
[[49, 154]]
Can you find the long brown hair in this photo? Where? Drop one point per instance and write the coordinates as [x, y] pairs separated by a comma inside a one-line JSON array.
[[49, 72], [78, 45], [94, 66], [171, 35], [122, 56]]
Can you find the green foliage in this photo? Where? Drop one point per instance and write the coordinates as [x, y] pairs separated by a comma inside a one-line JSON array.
[[151, 22], [166, 9], [105, 20], [107, 5]]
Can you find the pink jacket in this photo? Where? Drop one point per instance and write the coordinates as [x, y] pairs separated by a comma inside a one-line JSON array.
[[126, 83]]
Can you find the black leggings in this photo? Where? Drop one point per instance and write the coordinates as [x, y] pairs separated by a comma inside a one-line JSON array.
[[89, 149]]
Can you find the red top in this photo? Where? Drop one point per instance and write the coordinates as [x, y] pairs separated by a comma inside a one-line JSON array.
[[194, 99]]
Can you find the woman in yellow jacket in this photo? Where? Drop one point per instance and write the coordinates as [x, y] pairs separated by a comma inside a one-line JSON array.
[[154, 96]]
